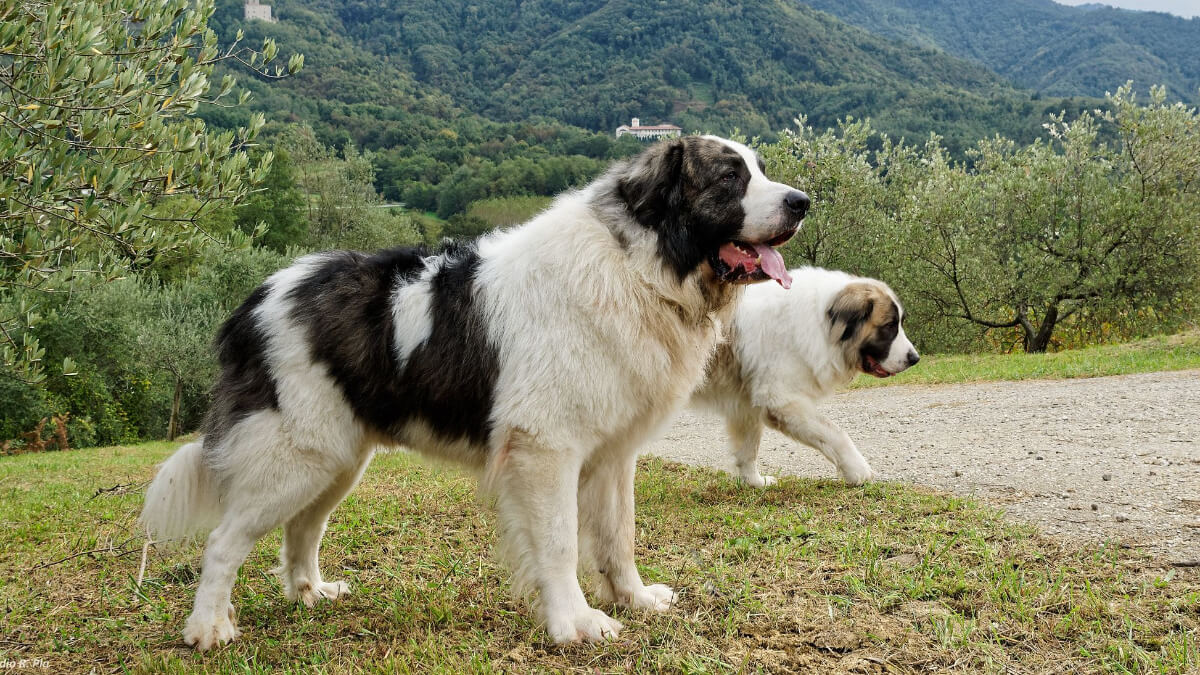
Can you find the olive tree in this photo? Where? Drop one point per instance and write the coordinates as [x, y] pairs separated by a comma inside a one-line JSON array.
[[847, 226], [104, 168], [1032, 236]]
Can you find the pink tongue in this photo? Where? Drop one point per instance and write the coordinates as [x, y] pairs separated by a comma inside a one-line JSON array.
[[772, 263]]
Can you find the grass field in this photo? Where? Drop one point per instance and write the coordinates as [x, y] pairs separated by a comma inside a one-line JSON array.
[[1170, 352], [808, 577], [506, 211]]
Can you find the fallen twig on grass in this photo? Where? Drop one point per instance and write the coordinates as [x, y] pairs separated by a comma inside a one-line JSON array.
[[1186, 563], [118, 551], [119, 489], [142, 567], [113, 489]]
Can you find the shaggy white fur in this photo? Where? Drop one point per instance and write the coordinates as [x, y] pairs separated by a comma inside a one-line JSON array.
[[541, 358], [789, 350]]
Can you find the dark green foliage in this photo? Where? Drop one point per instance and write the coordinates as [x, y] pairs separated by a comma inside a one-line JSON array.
[[705, 64], [277, 203], [130, 339], [104, 167], [1042, 45], [24, 405], [464, 226], [133, 340], [425, 143]]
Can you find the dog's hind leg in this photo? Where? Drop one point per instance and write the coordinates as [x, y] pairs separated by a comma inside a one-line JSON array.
[[266, 482], [298, 557], [606, 527], [745, 427], [536, 496], [801, 420], [213, 621]]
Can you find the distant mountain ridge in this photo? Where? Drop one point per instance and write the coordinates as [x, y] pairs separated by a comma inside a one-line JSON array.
[[1053, 49], [705, 65], [596, 63], [461, 100]]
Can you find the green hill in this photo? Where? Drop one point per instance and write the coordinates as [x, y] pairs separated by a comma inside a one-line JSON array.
[[465, 100], [595, 64], [701, 64], [1042, 45]]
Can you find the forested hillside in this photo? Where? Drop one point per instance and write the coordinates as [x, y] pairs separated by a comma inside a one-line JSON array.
[[702, 63], [429, 153], [388, 73], [1050, 48]]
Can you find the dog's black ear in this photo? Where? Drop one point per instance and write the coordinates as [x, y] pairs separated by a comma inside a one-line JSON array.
[[849, 310], [652, 186]]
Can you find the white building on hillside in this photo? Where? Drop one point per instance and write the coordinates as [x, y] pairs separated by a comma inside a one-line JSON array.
[[650, 132], [253, 10]]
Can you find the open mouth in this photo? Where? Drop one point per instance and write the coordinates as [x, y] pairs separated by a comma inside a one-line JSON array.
[[741, 262], [872, 367]]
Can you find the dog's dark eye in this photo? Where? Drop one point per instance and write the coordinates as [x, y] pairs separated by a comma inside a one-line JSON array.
[[730, 177]]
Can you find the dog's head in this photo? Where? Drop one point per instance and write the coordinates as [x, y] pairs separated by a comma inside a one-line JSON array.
[[867, 321], [710, 204]]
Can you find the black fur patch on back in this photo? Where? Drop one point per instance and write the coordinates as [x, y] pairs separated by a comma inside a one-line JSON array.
[[344, 307], [452, 376], [447, 381], [245, 384]]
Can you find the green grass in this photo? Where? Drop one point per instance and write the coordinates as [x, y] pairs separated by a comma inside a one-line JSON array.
[[1174, 352], [808, 577], [430, 224], [506, 211]]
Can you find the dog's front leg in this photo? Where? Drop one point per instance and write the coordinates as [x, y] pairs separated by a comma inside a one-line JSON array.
[[801, 420], [536, 492], [607, 528]]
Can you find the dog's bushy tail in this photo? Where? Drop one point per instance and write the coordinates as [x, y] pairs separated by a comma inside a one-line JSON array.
[[183, 499]]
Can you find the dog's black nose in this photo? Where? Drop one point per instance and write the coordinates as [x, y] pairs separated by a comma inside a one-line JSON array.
[[913, 357], [797, 202]]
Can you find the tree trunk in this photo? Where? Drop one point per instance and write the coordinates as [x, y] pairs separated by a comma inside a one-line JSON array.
[[173, 425], [1037, 342]]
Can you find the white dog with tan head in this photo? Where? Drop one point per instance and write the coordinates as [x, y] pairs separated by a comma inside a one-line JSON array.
[[789, 350]]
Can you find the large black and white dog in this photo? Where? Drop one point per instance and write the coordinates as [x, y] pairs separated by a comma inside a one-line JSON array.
[[540, 357]]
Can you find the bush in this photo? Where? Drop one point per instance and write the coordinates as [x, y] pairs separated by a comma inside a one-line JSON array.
[[24, 405], [1078, 232], [132, 341], [462, 226]]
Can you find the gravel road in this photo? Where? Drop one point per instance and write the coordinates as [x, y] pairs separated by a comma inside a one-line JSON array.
[[1101, 458]]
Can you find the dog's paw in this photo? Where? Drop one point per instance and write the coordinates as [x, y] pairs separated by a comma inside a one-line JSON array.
[[758, 480], [656, 598], [589, 625], [206, 632], [332, 591], [857, 473]]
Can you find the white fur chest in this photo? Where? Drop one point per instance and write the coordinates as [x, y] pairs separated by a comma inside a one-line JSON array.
[[598, 355]]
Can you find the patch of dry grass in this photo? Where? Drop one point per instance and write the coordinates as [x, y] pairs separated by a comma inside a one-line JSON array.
[[808, 576]]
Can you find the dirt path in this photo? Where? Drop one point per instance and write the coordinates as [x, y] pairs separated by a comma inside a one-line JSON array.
[[1110, 457]]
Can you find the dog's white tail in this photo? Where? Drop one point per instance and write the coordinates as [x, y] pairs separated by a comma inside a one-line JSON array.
[[182, 500]]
